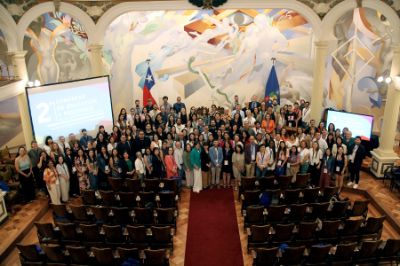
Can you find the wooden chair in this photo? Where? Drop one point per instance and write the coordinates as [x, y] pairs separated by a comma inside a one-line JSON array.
[[91, 235], [134, 185], [116, 183], [108, 198], [29, 254], [318, 255], [155, 257], [46, 233], [254, 215], [292, 256], [258, 237], [266, 256], [103, 256], [54, 253], [138, 236], [161, 237], [344, 254], [89, 197], [113, 235], [79, 255]]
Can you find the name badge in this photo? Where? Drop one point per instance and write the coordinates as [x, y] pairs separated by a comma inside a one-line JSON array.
[[290, 124], [253, 157], [279, 163], [325, 171], [288, 165], [337, 168], [143, 151], [73, 169], [226, 162], [106, 168]]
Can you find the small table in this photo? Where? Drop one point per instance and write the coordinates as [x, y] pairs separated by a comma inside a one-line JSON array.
[[3, 209]]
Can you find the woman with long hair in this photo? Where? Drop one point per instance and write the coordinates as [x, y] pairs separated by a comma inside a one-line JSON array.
[[51, 178], [64, 176], [157, 164], [315, 163], [103, 168], [92, 169], [187, 166], [282, 157], [238, 164], [227, 165], [23, 166], [327, 168], [304, 153], [205, 165], [80, 168], [115, 164], [294, 161], [171, 168], [340, 167]]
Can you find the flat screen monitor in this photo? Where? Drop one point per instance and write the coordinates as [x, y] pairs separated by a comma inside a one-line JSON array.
[[358, 124], [63, 108]]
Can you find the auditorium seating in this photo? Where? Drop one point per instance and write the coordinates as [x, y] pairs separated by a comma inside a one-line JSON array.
[[370, 252]]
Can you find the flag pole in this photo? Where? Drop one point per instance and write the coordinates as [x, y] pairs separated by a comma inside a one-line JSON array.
[[273, 59]]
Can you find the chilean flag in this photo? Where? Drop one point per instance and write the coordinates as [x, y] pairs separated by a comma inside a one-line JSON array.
[[148, 84]]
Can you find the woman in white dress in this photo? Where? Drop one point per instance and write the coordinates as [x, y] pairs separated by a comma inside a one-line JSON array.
[[63, 175], [50, 177]]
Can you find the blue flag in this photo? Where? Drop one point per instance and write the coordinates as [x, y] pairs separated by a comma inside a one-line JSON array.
[[272, 87]]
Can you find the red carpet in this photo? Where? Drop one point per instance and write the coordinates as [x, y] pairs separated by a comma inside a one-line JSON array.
[[213, 235]]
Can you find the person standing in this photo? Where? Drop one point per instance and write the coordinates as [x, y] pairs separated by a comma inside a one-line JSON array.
[[140, 166], [23, 166], [92, 169], [294, 161], [262, 159], [63, 175], [356, 156], [340, 167], [327, 168], [171, 167], [250, 151], [50, 177], [196, 164], [315, 162], [157, 164], [238, 164], [205, 165], [227, 165], [187, 165], [216, 157], [178, 155], [34, 155]]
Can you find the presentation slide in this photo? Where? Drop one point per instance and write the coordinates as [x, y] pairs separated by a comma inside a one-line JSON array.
[[60, 109], [359, 125]]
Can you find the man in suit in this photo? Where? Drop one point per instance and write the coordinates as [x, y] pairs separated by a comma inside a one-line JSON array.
[[356, 156], [250, 151], [216, 157], [254, 103]]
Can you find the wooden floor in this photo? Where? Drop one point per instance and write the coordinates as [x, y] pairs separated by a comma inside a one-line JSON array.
[[388, 200]]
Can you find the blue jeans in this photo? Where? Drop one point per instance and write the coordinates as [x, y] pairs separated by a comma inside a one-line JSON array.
[[261, 173], [93, 181], [181, 174]]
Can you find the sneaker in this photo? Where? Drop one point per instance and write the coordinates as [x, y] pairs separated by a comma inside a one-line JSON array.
[[349, 184], [355, 186]]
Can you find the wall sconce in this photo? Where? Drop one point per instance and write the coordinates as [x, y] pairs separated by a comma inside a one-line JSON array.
[[387, 80]]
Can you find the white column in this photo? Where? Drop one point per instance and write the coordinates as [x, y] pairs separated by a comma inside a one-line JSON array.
[[319, 69], [20, 72], [385, 156], [96, 59]]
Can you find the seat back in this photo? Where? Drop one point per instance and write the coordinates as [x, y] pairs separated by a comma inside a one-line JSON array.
[[360, 208], [101, 214], [292, 196], [351, 226], [254, 214], [283, 232], [170, 185], [319, 210], [90, 232], [127, 199], [276, 213], [79, 213], [344, 252], [329, 192], [251, 197], [339, 209], [165, 215], [116, 183], [143, 216], [121, 215], [154, 257], [259, 233], [68, 231], [128, 253], [301, 180], [137, 234], [310, 195], [368, 248], [108, 198], [78, 255], [307, 230], [54, 253], [134, 185], [297, 212], [147, 198], [267, 182], [266, 256], [284, 181], [167, 199], [330, 228], [374, 224], [392, 248], [60, 211], [89, 197], [103, 256], [29, 252], [319, 253], [113, 233], [151, 184], [292, 255], [45, 230], [248, 183], [161, 234]]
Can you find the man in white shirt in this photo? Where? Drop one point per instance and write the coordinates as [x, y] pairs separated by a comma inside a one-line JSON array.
[[178, 155], [139, 165], [306, 114], [62, 144], [131, 116], [249, 118], [178, 125], [321, 142], [238, 109]]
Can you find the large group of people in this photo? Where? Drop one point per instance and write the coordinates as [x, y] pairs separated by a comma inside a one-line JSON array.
[[208, 148]]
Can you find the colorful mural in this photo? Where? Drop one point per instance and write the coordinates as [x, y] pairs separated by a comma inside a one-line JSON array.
[[57, 49], [361, 55], [208, 54]]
